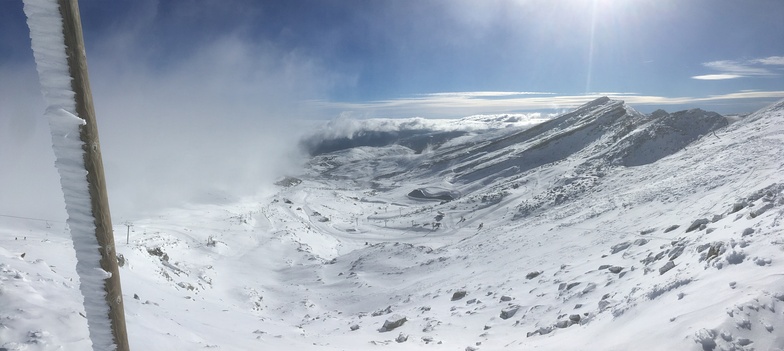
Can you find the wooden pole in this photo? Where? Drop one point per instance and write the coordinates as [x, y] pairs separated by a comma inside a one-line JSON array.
[[77, 66]]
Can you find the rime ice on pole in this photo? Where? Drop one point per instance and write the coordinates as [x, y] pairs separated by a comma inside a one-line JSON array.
[[48, 44]]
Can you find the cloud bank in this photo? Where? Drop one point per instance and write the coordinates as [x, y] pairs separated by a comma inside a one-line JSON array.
[[458, 104], [29, 184], [218, 126]]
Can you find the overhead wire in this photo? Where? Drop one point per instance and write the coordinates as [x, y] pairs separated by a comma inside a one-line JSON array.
[[31, 218]]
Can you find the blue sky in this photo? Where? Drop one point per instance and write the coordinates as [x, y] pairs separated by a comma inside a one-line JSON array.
[[397, 58], [200, 99]]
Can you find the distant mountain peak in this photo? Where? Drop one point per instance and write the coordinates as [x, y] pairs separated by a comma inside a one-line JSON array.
[[598, 101]]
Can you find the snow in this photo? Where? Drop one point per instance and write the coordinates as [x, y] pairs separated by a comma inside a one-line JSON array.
[[560, 255], [48, 47]]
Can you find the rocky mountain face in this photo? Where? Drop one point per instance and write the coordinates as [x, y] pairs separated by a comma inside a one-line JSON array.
[[601, 217], [581, 146]]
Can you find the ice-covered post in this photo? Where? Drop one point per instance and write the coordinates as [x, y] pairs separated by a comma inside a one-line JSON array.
[[58, 47]]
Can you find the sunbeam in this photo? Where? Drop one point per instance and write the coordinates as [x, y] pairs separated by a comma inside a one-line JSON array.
[[591, 46]]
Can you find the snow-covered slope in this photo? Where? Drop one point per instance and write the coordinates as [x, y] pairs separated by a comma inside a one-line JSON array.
[[601, 229]]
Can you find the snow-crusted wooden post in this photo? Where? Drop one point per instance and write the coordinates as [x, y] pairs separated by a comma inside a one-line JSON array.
[[66, 89]]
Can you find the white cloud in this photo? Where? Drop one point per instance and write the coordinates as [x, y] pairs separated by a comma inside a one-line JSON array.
[[479, 94], [772, 60], [743, 68], [745, 94], [732, 69], [717, 76]]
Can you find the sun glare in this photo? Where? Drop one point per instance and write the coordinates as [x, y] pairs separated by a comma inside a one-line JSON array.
[[616, 32]]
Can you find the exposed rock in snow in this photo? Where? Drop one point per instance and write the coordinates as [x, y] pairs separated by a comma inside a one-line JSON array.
[[457, 295], [620, 247], [401, 338], [697, 224], [667, 266], [384, 311], [393, 322], [509, 312], [615, 269]]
